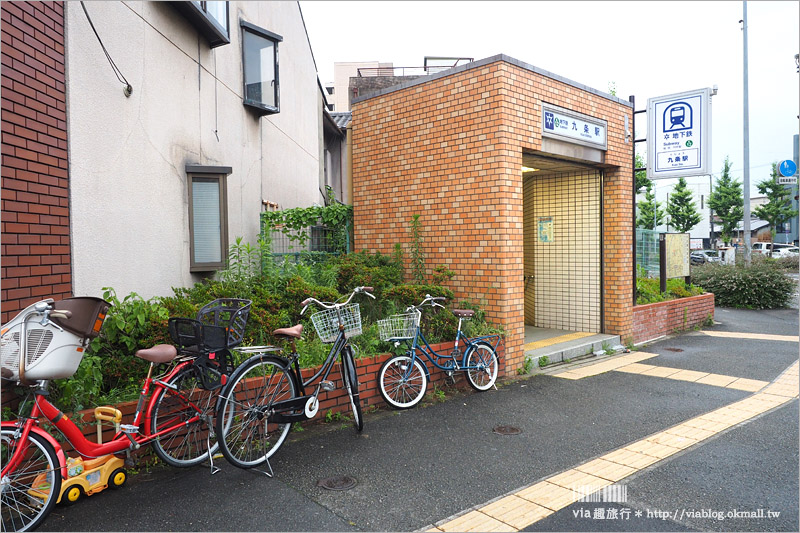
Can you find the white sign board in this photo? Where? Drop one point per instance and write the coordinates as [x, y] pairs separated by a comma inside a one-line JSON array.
[[787, 181], [570, 126], [679, 135]]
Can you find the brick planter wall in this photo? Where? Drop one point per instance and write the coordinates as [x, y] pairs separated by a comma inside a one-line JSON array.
[[663, 318], [335, 401], [35, 192]]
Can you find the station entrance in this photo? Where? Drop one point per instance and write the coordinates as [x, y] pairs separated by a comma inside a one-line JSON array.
[[562, 225]]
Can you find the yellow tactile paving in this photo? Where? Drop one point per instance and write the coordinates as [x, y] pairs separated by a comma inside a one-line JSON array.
[[515, 511], [555, 340], [626, 457], [635, 368], [530, 504], [748, 385], [661, 371], [606, 469], [717, 380], [476, 521], [688, 375], [755, 336], [575, 478], [606, 365], [549, 495]]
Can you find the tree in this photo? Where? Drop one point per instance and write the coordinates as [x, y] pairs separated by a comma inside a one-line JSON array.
[[646, 218], [778, 209], [727, 202], [642, 181], [681, 208]]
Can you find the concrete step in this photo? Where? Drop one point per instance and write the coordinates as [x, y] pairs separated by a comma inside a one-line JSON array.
[[560, 351]]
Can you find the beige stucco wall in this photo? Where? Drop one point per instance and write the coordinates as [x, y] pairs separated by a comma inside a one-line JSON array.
[[129, 195]]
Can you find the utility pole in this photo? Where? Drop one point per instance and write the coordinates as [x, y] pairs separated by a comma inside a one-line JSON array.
[[746, 122], [711, 215]]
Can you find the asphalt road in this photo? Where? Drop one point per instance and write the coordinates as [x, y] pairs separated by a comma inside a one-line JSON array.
[[416, 468]]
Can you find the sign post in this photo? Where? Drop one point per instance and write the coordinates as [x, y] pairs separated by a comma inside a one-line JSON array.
[[679, 135]]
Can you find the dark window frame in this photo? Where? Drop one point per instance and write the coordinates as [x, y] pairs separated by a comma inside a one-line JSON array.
[[208, 26], [260, 107], [209, 174]]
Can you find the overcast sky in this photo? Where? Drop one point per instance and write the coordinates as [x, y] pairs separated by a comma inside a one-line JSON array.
[[647, 49]]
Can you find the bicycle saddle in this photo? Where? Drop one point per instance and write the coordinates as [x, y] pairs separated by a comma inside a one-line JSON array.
[[464, 313], [160, 353], [295, 331]]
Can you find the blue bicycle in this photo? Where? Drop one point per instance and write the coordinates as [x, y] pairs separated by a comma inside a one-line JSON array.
[[403, 379]]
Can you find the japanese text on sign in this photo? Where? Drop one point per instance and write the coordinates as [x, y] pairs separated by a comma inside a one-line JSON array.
[[573, 127]]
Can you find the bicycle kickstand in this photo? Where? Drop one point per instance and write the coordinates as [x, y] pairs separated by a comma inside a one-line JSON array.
[[214, 469], [269, 467]]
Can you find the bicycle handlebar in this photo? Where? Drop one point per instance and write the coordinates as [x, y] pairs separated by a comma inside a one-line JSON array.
[[433, 301], [327, 305]]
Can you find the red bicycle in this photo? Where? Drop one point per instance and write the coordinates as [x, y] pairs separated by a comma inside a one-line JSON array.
[[175, 411]]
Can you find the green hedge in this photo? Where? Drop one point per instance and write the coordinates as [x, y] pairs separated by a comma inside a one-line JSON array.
[[648, 290], [763, 285], [110, 372]]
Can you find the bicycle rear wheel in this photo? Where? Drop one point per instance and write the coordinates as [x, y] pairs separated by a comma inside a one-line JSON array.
[[350, 379], [30, 491], [181, 400], [246, 435], [482, 366]]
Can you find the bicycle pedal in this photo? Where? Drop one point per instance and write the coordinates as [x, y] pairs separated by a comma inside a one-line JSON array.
[[129, 428], [327, 386]]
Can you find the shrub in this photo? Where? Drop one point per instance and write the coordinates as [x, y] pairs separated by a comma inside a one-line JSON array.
[[761, 286], [790, 263], [648, 290]]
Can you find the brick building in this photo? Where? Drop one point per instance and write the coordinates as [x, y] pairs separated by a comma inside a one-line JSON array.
[[36, 261], [523, 180]]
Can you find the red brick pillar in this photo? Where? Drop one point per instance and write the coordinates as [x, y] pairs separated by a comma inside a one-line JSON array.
[[35, 180]]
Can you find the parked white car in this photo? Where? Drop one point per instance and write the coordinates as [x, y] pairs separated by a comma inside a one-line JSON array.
[[763, 248], [790, 251]]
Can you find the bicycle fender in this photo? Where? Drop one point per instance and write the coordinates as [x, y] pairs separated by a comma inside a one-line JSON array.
[[62, 458]]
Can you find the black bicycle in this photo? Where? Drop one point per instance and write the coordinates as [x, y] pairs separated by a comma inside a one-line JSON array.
[[266, 393]]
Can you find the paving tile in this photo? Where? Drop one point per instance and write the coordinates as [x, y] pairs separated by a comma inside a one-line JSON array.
[[781, 390], [516, 511], [475, 521], [653, 449], [717, 380], [749, 385], [673, 441], [707, 424], [690, 432], [755, 336], [635, 357], [688, 375], [568, 374], [606, 469], [575, 479], [630, 458], [549, 495], [634, 368], [661, 371]]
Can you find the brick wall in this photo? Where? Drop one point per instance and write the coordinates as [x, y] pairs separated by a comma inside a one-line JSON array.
[[664, 318], [35, 187], [450, 149]]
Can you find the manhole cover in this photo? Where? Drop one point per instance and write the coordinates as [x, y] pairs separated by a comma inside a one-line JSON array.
[[673, 349], [506, 430], [337, 483]]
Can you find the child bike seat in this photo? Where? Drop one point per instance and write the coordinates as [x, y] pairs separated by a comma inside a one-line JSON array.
[[464, 313], [295, 331], [160, 353]]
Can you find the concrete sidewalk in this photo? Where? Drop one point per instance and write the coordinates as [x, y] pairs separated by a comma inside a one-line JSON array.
[[433, 464]]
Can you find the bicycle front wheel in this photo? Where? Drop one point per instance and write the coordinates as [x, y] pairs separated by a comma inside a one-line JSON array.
[[183, 399], [246, 435], [482, 366], [350, 379], [402, 381], [30, 491]]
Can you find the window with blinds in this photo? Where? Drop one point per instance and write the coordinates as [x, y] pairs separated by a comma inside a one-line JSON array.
[[208, 224]]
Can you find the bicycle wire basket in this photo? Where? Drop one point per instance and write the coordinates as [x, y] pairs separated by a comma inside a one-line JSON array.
[[399, 327], [327, 322], [219, 325]]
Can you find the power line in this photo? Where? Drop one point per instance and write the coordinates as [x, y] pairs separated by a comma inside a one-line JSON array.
[[128, 89]]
